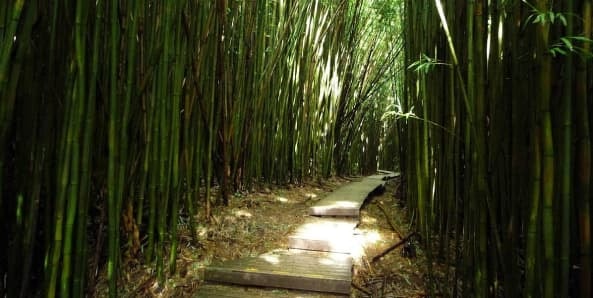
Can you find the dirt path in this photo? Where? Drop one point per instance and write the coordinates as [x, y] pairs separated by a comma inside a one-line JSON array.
[[250, 227]]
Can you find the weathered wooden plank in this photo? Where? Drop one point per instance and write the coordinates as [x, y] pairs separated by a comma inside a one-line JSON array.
[[293, 269], [347, 200], [324, 234], [234, 291]]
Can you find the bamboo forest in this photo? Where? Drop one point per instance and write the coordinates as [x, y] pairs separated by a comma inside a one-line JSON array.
[[143, 141]]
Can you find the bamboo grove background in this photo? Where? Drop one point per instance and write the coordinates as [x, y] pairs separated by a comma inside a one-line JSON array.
[[119, 117], [494, 126]]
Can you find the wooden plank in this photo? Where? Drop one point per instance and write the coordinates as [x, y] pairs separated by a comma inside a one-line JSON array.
[[293, 269], [388, 173], [347, 200], [376, 177], [233, 291], [324, 234]]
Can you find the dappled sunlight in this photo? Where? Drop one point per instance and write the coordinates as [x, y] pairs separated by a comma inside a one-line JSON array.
[[334, 259], [362, 240], [202, 230], [242, 213], [368, 220], [371, 237], [324, 235], [282, 200], [271, 258], [334, 235], [311, 195]]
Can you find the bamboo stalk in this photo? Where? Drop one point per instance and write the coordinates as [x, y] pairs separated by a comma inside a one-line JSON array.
[[176, 133], [9, 41], [114, 193], [77, 114], [582, 191], [85, 184], [566, 160]]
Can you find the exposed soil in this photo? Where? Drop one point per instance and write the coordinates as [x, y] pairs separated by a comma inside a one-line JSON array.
[[259, 222]]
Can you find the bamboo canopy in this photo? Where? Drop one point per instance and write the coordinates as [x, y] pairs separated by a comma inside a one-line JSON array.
[[119, 117]]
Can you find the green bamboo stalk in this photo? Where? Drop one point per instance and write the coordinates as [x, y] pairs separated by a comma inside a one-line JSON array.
[[153, 146], [451, 45], [33, 142], [78, 283], [533, 230], [9, 31], [547, 147], [4, 9], [479, 154], [212, 127], [222, 94], [31, 224], [18, 222], [520, 164], [165, 150], [9, 41], [114, 193], [78, 106], [153, 151], [177, 91], [64, 176], [582, 190], [566, 162]]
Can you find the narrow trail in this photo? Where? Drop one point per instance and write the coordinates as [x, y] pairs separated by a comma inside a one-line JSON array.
[[319, 255]]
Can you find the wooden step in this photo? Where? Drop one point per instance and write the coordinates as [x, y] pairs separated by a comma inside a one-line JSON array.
[[233, 291], [347, 200], [324, 234], [289, 269]]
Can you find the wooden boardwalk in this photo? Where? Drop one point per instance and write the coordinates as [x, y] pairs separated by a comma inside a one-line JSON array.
[[318, 257], [347, 200]]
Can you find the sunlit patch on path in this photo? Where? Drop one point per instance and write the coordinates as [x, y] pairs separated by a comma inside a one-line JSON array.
[[324, 234]]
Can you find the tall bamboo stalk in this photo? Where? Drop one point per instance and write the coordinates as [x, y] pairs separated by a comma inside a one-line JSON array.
[[566, 160], [544, 63], [114, 193], [582, 192]]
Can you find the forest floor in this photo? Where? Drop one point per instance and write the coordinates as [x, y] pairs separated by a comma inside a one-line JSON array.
[[259, 222]]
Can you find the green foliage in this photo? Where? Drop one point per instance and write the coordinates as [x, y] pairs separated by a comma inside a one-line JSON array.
[[425, 64], [542, 17], [398, 113], [568, 45]]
